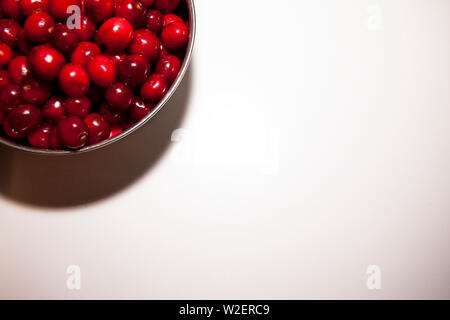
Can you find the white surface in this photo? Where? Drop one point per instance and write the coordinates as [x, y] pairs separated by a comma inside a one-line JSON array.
[[314, 142]]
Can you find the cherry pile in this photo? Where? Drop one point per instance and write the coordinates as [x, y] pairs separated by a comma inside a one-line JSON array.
[[67, 88]]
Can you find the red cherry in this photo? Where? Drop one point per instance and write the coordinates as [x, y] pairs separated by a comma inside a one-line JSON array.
[[132, 10], [4, 78], [84, 53], [155, 21], [166, 6], [25, 118], [45, 62], [28, 7], [116, 33], [6, 54], [53, 110], [119, 96], [169, 67], [41, 137], [80, 107], [171, 18], [72, 132], [116, 57], [55, 142], [155, 88], [10, 97], [74, 80], [11, 132], [116, 129], [58, 8], [23, 43], [111, 115], [39, 27], [87, 30], [102, 71], [35, 91], [147, 3], [64, 39], [99, 10], [9, 32], [18, 69], [11, 8], [175, 35], [134, 70], [163, 51], [98, 128], [146, 43], [139, 109]]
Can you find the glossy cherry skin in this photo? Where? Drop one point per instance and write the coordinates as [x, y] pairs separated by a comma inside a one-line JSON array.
[[87, 30], [116, 129], [113, 116], [53, 110], [139, 109], [55, 142], [166, 6], [84, 53], [9, 32], [11, 8], [41, 137], [134, 70], [22, 42], [155, 88], [145, 43], [175, 35], [169, 66], [74, 80], [72, 132], [10, 131], [119, 96], [155, 21], [116, 33], [28, 7], [98, 128], [132, 10], [39, 27], [25, 118], [4, 78], [171, 18], [10, 97], [18, 69], [58, 8], [80, 107], [99, 10], [102, 71], [116, 57], [6, 54], [64, 39], [34, 91], [45, 62]]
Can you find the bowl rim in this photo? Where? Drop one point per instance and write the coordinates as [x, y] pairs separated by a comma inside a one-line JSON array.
[[140, 124]]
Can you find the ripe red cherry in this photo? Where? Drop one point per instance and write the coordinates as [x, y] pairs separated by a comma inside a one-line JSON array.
[[166, 6], [80, 107], [145, 43], [11, 8], [64, 39], [102, 71], [155, 88], [58, 8], [98, 128], [139, 109], [72, 132], [87, 30], [28, 7], [39, 27], [23, 43], [155, 21], [99, 10], [116, 57], [25, 118], [18, 69], [9, 32], [6, 54], [74, 80], [45, 62], [169, 66], [34, 91], [84, 53], [116, 33], [111, 115], [55, 142], [119, 96], [170, 18], [4, 78], [175, 35], [116, 129], [132, 10], [134, 70], [10, 131], [53, 110], [41, 137], [10, 97]]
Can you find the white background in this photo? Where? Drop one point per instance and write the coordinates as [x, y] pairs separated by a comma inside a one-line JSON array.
[[309, 140]]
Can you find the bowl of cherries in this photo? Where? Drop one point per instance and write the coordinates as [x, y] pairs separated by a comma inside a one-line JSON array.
[[77, 75]]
